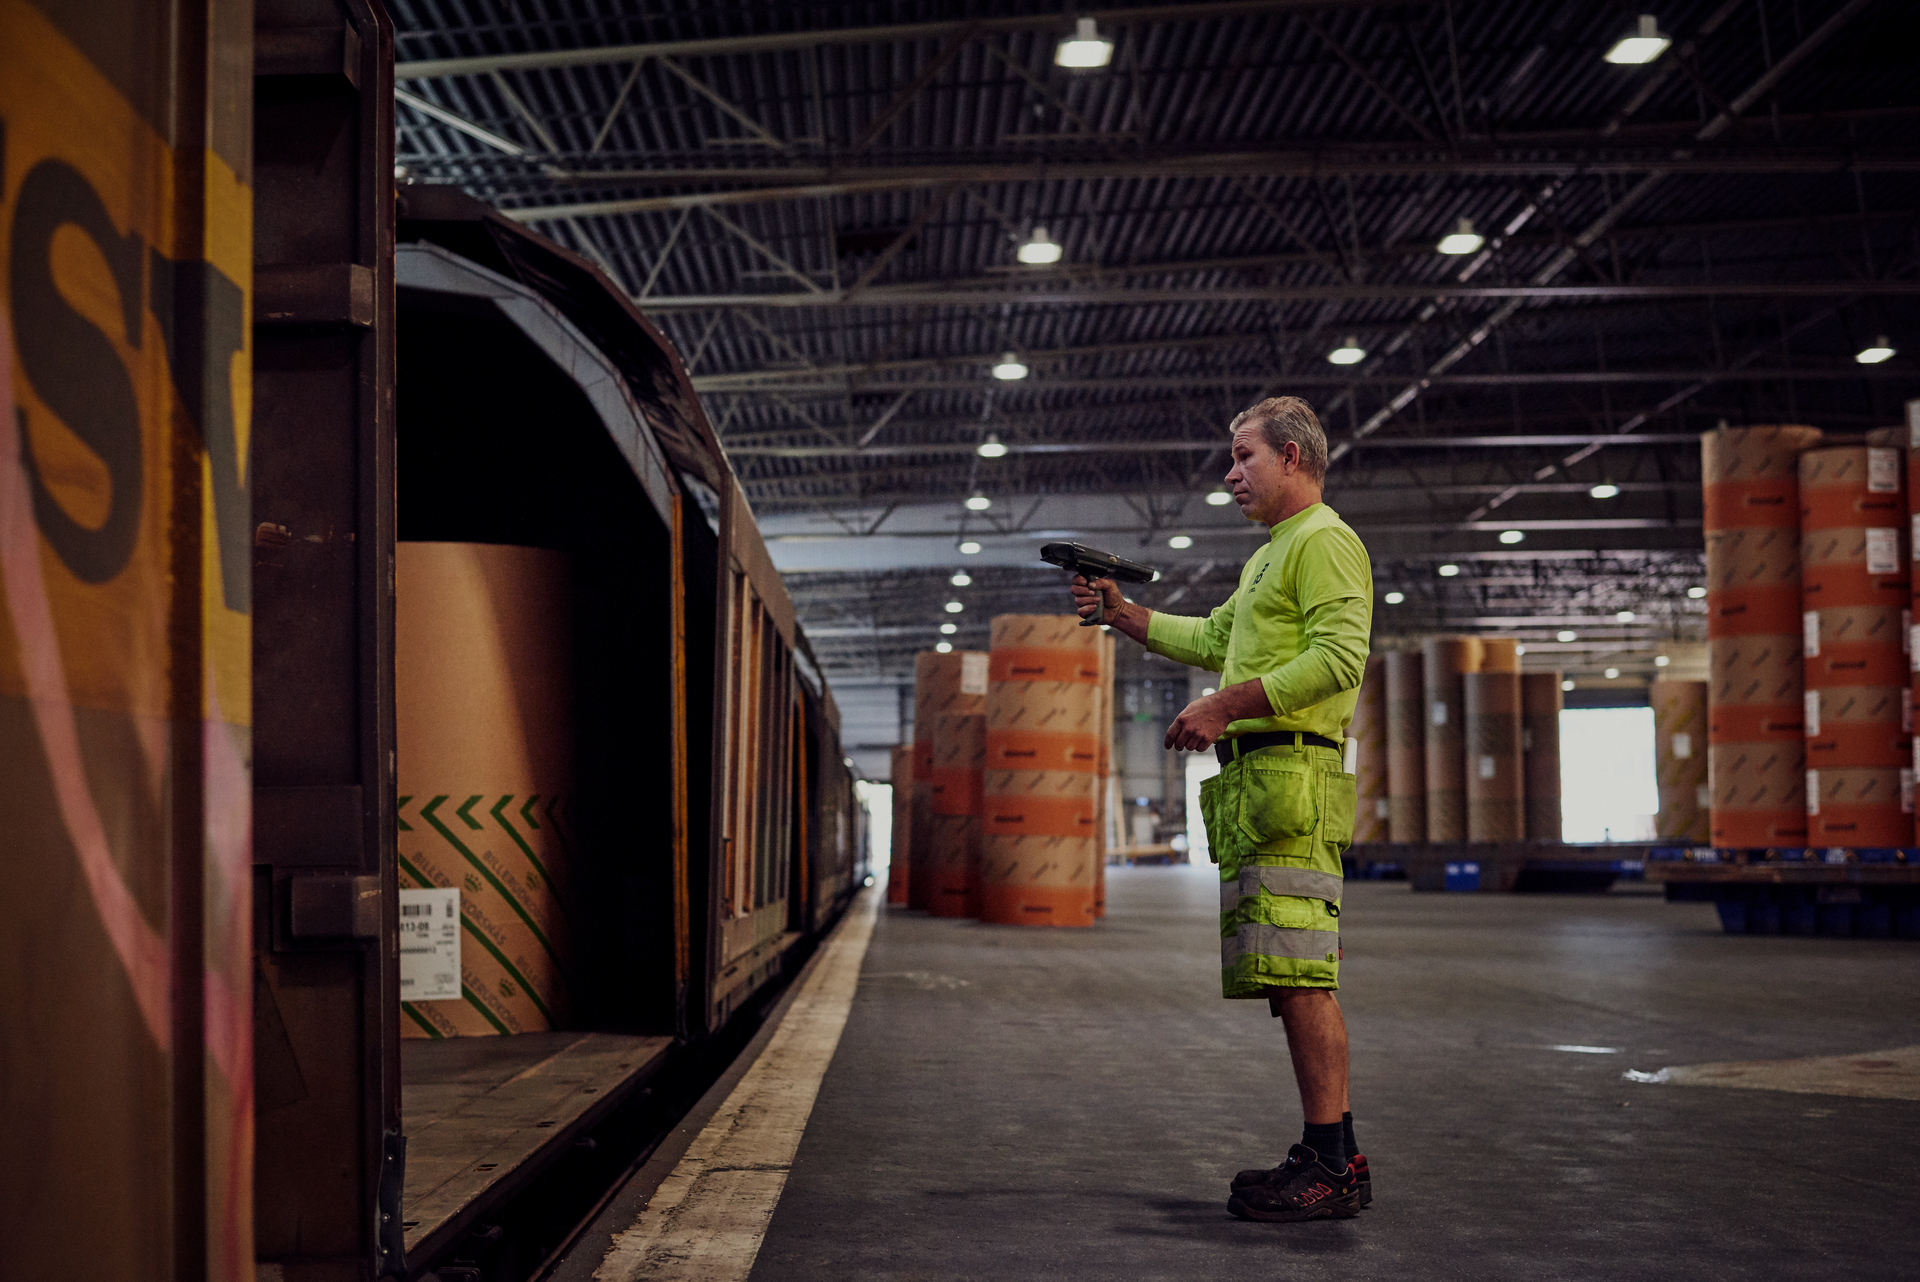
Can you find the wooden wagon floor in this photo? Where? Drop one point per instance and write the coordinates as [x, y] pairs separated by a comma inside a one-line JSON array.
[[477, 1111]]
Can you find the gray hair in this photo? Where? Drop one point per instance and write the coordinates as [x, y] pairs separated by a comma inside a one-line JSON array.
[[1288, 418]]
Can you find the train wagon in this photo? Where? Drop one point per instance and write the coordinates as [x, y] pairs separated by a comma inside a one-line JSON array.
[[411, 752]]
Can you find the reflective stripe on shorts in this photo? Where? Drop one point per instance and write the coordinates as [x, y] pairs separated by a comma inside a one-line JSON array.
[[1278, 941], [1302, 883]]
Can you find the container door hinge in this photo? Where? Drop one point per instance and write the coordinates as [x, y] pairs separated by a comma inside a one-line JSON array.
[[390, 1235]]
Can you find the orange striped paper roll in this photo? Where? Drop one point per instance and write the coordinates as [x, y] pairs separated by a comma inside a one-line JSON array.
[[1046, 715]]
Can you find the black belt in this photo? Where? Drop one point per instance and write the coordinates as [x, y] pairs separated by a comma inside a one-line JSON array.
[[1227, 749]]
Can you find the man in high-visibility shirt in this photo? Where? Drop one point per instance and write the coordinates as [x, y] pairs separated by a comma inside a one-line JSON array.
[[1291, 646]]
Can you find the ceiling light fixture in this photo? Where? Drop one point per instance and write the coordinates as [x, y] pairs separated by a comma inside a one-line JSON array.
[[991, 447], [1604, 490], [1449, 570], [945, 647], [1395, 598], [1219, 498], [1565, 635], [1463, 239], [1643, 46], [1180, 541], [1879, 351], [1623, 616], [1348, 353], [969, 548], [1039, 249], [961, 579], [1519, 649], [1695, 593], [978, 502], [1085, 49], [954, 607], [1566, 685], [1009, 369], [1661, 660], [1513, 536], [1612, 673], [948, 629]]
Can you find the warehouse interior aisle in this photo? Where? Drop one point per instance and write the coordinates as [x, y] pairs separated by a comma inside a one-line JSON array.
[[1071, 1103]]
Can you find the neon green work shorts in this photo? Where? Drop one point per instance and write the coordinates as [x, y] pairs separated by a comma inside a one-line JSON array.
[[1278, 820]]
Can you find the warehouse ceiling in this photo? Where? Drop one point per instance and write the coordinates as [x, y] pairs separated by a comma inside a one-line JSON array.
[[823, 205]]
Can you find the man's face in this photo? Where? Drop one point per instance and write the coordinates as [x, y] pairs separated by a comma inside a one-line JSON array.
[[1261, 480]]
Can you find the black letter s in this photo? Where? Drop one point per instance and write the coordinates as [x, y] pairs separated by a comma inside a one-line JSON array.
[[74, 367]]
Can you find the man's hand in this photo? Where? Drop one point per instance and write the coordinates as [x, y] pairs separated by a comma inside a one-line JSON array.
[[1203, 721], [1123, 616], [1087, 597]]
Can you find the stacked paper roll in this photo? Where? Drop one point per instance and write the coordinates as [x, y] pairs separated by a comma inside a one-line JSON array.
[[1912, 438], [1680, 760], [1368, 730], [1406, 747], [959, 759], [945, 687], [1042, 815], [484, 697], [1496, 805], [1444, 667], [1540, 704], [1103, 793], [1755, 728], [902, 776], [1854, 585]]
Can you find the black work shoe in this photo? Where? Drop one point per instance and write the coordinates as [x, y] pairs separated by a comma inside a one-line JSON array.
[[1247, 1179], [1300, 1189]]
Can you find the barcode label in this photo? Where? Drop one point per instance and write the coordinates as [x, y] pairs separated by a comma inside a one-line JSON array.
[[1883, 551], [430, 944], [1883, 470]]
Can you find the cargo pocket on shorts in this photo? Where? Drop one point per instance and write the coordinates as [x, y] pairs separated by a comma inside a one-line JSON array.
[[1209, 811], [1277, 801], [1340, 798]]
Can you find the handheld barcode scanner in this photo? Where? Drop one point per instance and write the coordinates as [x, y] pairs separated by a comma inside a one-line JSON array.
[[1092, 563]]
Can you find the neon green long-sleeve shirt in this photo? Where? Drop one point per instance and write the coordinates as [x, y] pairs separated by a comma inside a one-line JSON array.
[[1298, 622]]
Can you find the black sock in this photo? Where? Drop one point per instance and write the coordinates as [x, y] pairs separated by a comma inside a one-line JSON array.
[[1346, 1126], [1329, 1142]]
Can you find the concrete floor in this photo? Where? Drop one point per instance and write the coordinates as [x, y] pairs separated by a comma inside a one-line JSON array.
[[1015, 1103]]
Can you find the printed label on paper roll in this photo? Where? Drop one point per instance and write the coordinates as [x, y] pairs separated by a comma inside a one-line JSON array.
[[973, 673], [1812, 700], [1703, 797], [1883, 469], [1883, 551], [430, 945], [1439, 714], [1382, 808], [1913, 534], [1906, 792], [1486, 767], [1810, 626], [1913, 425], [1906, 632], [1813, 792], [1683, 745], [1906, 710]]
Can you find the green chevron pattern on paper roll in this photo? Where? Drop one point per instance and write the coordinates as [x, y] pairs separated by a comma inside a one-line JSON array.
[[479, 862], [479, 866]]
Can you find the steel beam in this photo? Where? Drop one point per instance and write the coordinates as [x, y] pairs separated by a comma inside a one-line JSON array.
[[894, 296], [1181, 447], [719, 384], [813, 182], [786, 41]]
